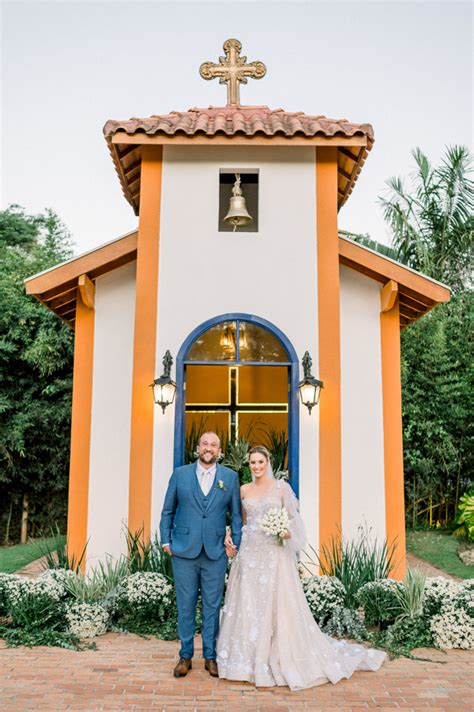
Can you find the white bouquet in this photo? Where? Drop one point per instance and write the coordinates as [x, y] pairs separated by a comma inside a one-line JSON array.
[[275, 522]]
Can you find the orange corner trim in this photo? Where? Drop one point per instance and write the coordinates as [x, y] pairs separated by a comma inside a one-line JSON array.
[[80, 433], [330, 501], [393, 435], [144, 350]]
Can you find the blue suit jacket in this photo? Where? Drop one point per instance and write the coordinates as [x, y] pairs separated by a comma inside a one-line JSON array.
[[190, 521]]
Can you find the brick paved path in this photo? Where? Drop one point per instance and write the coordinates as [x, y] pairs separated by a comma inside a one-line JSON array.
[[414, 562], [130, 673]]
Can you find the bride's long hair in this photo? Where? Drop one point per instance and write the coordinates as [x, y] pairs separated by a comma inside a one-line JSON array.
[[262, 450]]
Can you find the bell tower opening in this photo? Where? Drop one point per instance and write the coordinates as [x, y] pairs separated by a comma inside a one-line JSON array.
[[249, 186]]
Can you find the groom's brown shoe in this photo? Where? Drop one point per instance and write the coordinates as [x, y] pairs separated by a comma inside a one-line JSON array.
[[183, 667], [211, 667]]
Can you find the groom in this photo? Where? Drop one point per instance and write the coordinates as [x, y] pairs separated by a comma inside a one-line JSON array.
[[192, 531]]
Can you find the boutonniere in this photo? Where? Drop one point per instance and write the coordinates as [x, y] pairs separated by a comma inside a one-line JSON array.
[[220, 485]]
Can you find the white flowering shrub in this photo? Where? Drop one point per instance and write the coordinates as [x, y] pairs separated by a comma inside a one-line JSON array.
[[34, 603], [324, 595], [145, 596], [438, 592], [452, 628], [10, 585], [450, 608], [86, 620], [14, 589], [60, 576], [379, 600]]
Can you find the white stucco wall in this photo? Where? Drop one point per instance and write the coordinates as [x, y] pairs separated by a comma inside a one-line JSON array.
[[271, 274], [111, 408], [363, 493]]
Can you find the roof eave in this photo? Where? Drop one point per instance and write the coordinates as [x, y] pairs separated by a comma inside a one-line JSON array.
[[125, 149]]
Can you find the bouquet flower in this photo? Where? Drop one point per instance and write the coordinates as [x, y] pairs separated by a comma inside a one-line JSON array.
[[275, 522]]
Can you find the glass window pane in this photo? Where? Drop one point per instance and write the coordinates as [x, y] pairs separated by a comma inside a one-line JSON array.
[[216, 344], [208, 385], [257, 344], [261, 384]]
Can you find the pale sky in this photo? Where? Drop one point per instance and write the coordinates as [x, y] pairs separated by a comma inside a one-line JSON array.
[[67, 67]]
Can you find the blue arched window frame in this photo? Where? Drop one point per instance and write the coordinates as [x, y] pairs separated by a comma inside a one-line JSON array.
[[293, 398]]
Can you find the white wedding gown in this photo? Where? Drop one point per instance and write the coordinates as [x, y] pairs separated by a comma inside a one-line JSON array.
[[268, 635]]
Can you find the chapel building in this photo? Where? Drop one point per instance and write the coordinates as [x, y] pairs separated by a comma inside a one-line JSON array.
[[232, 309]]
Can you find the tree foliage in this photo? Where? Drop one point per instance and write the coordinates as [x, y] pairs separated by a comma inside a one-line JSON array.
[[437, 375], [36, 351], [432, 229], [432, 220]]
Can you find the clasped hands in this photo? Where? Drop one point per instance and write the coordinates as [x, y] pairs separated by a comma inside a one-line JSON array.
[[230, 548]]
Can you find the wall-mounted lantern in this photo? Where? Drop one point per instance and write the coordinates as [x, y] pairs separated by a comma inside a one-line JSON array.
[[164, 389], [310, 387]]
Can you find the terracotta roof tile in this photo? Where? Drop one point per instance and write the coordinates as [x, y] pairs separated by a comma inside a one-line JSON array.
[[230, 120]]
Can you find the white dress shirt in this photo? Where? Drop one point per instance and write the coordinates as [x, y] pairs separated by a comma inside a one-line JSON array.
[[205, 477]]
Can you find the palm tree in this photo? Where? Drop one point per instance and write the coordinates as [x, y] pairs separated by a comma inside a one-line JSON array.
[[432, 223]]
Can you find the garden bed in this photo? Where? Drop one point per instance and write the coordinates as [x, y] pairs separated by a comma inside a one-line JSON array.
[[63, 608]]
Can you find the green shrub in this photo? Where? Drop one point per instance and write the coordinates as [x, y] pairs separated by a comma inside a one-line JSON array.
[[406, 634], [147, 555], [465, 517], [410, 596], [345, 622], [379, 601]]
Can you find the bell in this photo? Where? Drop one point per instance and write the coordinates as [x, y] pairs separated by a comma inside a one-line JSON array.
[[237, 214]]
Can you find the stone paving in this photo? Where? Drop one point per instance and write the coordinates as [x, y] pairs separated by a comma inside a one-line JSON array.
[[127, 672]]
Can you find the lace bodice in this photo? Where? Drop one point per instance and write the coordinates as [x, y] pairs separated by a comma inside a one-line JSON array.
[[255, 508]]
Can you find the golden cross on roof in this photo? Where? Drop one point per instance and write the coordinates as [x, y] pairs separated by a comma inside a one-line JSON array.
[[232, 70]]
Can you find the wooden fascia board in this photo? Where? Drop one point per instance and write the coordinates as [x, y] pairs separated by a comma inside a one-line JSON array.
[[384, 269], [141, 139], [70, 271]]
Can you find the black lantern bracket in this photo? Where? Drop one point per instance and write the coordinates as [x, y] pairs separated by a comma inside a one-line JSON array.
[[310, 387], [164, 388]]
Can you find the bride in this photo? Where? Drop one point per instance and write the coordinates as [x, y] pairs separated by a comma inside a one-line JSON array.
[[268, 635]]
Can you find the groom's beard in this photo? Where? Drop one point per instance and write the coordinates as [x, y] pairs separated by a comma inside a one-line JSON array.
[[208, 459]]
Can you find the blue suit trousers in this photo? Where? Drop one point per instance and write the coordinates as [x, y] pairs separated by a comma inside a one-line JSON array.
[[192, 576]]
